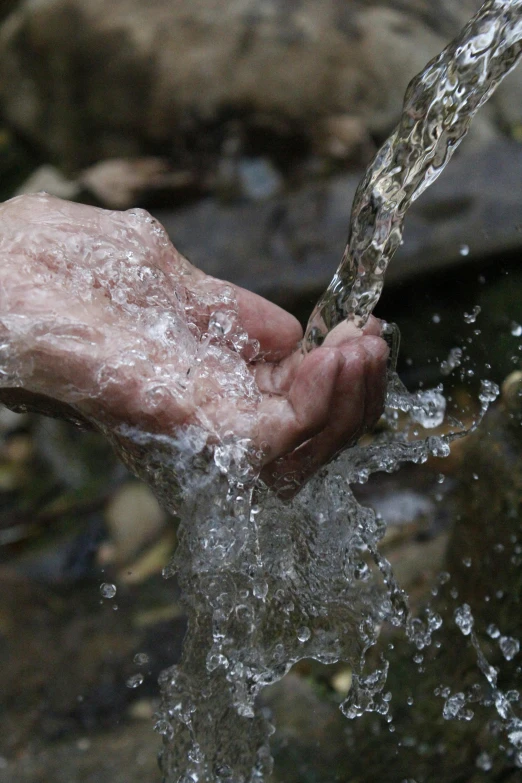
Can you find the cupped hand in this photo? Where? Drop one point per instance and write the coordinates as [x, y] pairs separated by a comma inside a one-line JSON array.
[[102, 320]]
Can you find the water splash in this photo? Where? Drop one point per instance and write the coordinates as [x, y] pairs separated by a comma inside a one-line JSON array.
[[268, 583]]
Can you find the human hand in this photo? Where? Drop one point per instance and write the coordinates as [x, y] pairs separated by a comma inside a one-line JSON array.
[[102, 320]]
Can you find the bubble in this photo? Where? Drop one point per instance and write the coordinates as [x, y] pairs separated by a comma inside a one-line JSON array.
[[141, 659], [464, 250], [108, 590], [493, 631], [134, 681], [516, 329]]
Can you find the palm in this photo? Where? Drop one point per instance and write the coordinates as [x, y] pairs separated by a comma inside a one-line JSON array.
[[102, 316]]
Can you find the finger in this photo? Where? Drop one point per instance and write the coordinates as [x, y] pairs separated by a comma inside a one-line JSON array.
[[277, 332], [286, 421], [347, 330], [278, 377], [356, 404]]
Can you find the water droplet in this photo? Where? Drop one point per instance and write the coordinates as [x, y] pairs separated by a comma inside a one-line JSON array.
[[141, 659], [303, 633], [464, 619], [135, 681], [454, 360], [489, 391], [455, 708], [470, 318], [223, 772], [362, 571], [164, 728], [515, 737], [464, 250], [509, 647], [483, 761], [108, 590]]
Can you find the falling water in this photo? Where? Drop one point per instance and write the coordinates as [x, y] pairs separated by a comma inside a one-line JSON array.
[[439, 106]]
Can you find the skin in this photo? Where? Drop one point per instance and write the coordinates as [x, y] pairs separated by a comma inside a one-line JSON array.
[[70, 346]]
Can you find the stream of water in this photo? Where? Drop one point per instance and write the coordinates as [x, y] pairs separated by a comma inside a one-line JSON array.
[[268, 583]]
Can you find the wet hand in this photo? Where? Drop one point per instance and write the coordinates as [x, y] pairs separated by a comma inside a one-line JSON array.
[[103, 321]]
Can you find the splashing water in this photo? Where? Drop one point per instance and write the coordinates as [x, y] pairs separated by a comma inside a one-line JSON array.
[[267, 583]]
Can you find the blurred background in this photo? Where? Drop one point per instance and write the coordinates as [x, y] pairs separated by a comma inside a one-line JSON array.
[[245, 126]]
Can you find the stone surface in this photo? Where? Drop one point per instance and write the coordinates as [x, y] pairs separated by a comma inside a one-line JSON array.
[[87, 79], [134, 519], [288, 248]]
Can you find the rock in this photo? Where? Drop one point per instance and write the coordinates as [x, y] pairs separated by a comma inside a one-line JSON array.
[[134, 519], [87, 80], [345, 137], [258, 179], [10, 421], [294, 242], [118, 183], [50, 180], [6, 7]]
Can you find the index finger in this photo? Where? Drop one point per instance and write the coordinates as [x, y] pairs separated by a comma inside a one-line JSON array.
[[277, 332]]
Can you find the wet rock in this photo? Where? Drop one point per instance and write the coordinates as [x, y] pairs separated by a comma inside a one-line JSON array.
[[119, 183], [125, 755], [345, 137], [134, 519], [258, 179], [487, 535], [152, 75], [310, 740], [52, 181]]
